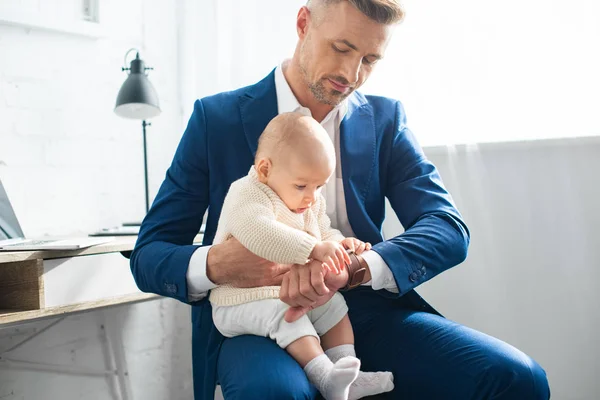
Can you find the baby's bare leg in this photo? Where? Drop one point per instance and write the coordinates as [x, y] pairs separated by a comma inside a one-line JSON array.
[[305, 349], [338, 335]]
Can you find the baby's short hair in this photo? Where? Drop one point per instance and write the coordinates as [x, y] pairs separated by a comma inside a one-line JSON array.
[[294, 132]]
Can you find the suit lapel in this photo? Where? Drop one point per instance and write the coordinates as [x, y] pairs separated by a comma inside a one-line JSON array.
[[357, 153], [258, 106]]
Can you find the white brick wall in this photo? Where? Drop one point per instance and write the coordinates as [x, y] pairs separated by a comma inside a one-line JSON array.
[[70, 165], [68, 162], [155, 337]]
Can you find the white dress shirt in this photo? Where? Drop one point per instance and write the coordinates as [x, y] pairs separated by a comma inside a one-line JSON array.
[[381, 275]]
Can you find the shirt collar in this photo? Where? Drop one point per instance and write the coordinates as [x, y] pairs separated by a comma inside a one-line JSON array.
[[287, 102]]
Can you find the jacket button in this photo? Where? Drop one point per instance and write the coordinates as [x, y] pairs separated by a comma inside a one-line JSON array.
[[423, 270], [413, 277]]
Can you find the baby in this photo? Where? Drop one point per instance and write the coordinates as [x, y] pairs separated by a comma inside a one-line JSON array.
[[278, 213]]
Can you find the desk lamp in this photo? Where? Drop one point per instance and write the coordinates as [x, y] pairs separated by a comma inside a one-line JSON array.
[[137, 99]]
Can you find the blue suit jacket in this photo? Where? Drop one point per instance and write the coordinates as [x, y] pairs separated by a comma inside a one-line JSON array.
[[380, 158]]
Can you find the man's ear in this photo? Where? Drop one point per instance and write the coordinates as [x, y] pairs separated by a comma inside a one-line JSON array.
[[263, 169], [302, 21]]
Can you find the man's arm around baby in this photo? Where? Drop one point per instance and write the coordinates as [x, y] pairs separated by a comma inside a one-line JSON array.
[[302, 286]]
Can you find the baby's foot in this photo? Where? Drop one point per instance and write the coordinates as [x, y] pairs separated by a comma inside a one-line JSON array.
[[341, 376], [371, 383]]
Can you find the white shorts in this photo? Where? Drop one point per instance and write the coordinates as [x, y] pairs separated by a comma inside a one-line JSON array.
[[265, 318]]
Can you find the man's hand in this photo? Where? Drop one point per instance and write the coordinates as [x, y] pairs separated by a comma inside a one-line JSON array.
[[231, 263], [331, 254], [309, 286], [357, 246]]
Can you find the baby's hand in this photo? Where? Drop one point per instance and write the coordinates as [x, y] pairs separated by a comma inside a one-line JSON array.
[[332, 255], [357, 246]]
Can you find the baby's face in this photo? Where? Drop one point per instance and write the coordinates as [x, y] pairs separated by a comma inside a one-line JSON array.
[[299, 184]]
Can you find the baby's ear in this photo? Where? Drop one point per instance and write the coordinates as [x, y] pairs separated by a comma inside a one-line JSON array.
[[263, 169]]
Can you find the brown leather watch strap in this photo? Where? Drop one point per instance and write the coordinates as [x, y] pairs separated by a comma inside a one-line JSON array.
[[356, 271]]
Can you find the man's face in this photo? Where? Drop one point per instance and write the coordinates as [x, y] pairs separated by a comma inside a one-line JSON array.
[[338, 53]]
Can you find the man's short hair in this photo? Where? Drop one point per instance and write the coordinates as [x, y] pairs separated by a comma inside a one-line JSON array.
[[385, 12]]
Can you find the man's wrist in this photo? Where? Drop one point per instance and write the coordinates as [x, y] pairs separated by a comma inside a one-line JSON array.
[[212, 262], [367, 277], [358, 272], [198, 283]]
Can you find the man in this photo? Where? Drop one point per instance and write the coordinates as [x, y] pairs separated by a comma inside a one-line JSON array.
[[340, 41]]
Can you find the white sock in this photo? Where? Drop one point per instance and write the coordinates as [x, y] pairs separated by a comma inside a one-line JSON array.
[[367, 383], [343, 350], [371, 383], [332, 380]]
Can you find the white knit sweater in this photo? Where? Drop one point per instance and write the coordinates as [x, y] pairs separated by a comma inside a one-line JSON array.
[[260, 220]]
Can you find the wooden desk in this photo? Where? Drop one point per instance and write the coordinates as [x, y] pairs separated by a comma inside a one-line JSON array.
[[41, 284]]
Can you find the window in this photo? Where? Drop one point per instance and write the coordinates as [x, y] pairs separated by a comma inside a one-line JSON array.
[[470, 71], [77, 17]]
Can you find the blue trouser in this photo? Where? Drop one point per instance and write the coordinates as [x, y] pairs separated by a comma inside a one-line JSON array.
[[431, 358]]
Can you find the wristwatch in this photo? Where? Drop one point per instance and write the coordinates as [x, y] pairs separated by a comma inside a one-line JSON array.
[[356, 271]]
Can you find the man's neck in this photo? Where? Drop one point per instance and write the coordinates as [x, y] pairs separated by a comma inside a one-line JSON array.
[[293, 76]]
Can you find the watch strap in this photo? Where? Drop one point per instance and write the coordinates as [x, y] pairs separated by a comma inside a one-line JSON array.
[[356, 271]]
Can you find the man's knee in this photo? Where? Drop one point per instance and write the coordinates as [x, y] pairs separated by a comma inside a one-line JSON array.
[[293, 388], [521, 378], [252, 367]]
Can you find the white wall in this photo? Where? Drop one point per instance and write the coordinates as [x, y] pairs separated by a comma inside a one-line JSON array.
[[67, 161], [155, 338], [253, 36], [71, 165]]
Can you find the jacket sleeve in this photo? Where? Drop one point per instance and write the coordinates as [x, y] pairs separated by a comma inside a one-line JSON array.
[[163, 249], [435, 237], [251, 219]]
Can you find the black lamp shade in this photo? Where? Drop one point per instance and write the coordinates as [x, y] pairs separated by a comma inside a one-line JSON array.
[[137, 98]]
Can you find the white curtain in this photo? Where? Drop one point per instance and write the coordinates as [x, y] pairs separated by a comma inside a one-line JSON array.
[[532, 274]]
